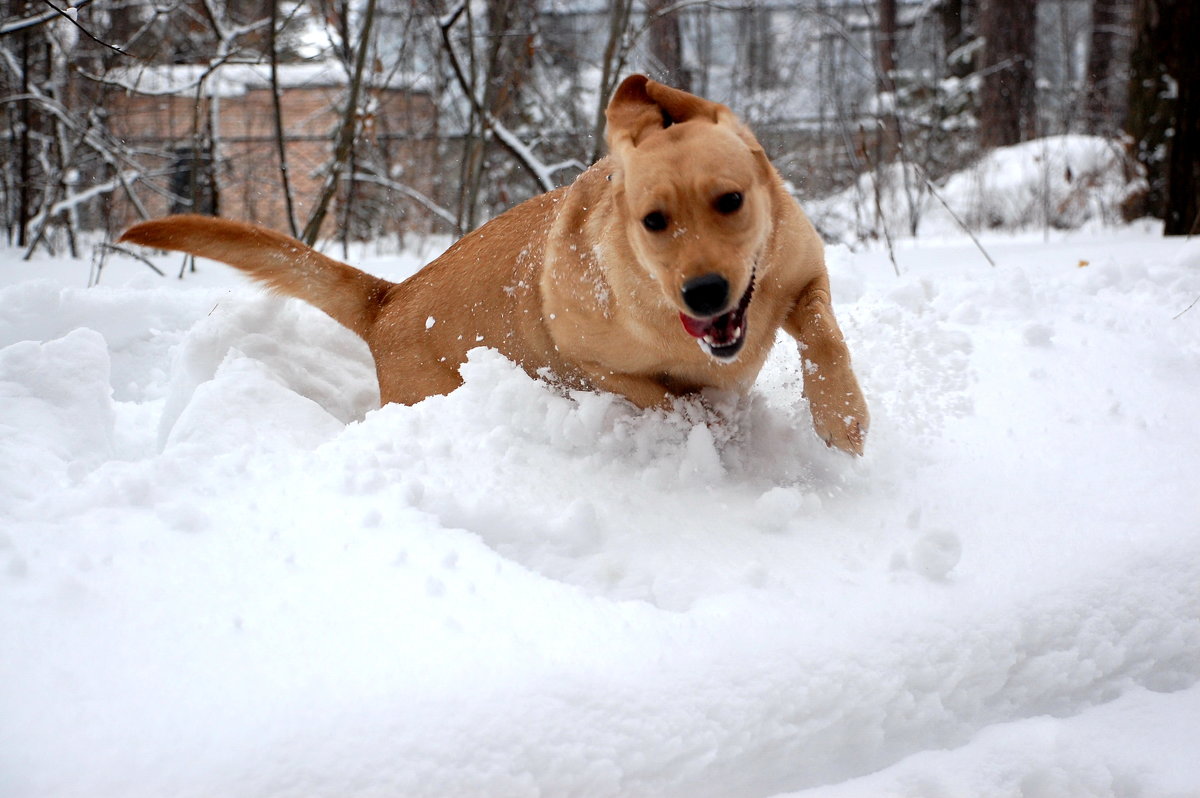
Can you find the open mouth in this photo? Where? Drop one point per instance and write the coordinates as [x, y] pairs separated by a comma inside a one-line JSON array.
[[721, 336]]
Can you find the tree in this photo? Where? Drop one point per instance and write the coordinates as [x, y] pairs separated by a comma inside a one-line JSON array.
[[1183, 163], [955, 20], [886, 46], [666, 44], [510, 28], [347, 131], [1103, 102], [1007, 112], [1164, 109], [885, 80]]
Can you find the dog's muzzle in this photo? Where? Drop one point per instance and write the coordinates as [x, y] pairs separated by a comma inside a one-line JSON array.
[[721, 336]]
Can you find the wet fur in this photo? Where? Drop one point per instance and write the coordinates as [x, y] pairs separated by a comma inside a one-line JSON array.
[[571, 282]]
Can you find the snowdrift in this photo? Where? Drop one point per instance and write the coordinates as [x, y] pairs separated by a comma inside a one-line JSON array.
[[1063, 182], [225, 571]]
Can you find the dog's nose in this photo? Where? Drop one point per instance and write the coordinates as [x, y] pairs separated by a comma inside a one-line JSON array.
[[706, 294]]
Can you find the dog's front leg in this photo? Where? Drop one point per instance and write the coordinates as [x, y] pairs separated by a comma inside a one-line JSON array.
[[839, 410]]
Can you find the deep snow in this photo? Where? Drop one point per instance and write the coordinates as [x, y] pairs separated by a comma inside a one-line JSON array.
[[223, 571]]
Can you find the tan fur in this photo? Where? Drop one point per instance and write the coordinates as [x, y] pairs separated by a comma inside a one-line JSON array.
[[573, 284]]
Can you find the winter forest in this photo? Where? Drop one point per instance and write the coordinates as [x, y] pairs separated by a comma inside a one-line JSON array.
[[437, 116], [227, 569]]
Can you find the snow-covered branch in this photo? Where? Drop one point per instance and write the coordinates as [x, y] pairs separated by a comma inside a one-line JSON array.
[[410, 192], [75, 200], [541, 172], [32, 21]]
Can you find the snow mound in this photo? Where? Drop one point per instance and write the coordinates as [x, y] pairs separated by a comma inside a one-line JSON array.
[[1060, 182]]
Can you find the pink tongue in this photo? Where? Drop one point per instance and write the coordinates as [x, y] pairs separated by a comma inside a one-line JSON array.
[[697, 328]]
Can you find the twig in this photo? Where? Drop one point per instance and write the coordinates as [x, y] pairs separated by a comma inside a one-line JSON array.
[[953, 215], [106, 247], [12, 26], [85, 31], [1185, 310]]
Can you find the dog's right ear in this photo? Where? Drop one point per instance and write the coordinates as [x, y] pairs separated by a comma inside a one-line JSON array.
[[641, 105]]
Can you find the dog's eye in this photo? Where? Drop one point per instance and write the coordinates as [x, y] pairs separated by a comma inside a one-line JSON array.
[[729, 203], [655, 221]]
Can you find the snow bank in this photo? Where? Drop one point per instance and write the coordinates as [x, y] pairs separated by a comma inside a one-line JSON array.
[[224, 571], [1059, 182]]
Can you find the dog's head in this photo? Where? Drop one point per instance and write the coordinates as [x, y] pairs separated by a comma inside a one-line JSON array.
[[692, 190]]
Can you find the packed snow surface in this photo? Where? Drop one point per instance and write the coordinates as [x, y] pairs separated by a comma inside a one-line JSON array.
[[225, 571]]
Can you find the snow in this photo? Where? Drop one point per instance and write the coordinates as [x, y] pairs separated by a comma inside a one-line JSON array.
[[1057, 182], [225, 571]]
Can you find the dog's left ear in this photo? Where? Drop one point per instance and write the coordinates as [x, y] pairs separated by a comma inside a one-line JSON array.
[[641, 105]]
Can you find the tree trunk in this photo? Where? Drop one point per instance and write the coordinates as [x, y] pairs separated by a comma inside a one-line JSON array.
[[956, 19], [346, 133], [1183, 163], [508, 63], [1182, 20], [619, 13], [285, 184], [1007, 113], [1164, 109], [888, 143], [666, 44], [886, 46], [1103, 102], [25, 156]]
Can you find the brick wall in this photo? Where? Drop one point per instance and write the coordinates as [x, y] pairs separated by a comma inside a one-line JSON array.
[[246, 169]]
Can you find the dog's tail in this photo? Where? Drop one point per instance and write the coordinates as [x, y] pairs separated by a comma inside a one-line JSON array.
[[350, 296]]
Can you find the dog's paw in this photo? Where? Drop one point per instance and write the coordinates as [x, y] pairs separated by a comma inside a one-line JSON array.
[[850, 436], [843, 427]]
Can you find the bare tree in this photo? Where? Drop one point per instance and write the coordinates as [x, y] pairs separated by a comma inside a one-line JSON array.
[[347, 130], [285, 183], [616, 50], [1007, 112], [886, 32], [509, 98], [503, 70], [1103, 104], [666, 44], [885, 45]]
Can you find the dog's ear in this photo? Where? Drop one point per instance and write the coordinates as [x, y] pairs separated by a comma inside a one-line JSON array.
[[641, 105]]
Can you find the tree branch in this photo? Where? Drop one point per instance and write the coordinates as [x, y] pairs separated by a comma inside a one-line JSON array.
[[519, 150], [346, 132]]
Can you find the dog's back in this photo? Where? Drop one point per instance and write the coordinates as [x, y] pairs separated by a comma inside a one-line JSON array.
[[483, 291]]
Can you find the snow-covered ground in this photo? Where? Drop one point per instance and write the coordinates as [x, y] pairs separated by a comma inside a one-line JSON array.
[[224, 571]]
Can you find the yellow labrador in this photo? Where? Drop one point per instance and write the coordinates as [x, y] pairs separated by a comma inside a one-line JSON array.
[[665, 268]]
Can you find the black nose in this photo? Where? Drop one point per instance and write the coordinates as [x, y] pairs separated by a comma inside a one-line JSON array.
[[706, 294]]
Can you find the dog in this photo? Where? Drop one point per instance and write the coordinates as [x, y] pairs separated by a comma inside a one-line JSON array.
[[664, 269]]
